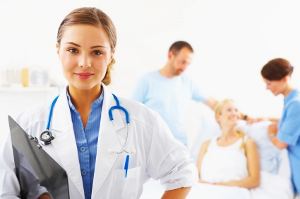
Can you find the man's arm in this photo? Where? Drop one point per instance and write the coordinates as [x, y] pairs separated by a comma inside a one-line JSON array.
[[211, 103]]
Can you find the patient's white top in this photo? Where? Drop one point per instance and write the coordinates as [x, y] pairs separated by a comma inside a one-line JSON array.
[[224, 163]]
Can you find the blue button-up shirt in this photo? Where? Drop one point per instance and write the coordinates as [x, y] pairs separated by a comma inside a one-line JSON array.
[[86, 141]]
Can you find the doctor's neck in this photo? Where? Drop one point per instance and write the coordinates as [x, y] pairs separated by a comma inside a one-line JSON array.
[[84, 97]]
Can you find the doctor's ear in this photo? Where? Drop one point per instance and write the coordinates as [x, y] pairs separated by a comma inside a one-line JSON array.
[[107, 78], [112, 62], [170, 54], [57, 48], [286, 78]]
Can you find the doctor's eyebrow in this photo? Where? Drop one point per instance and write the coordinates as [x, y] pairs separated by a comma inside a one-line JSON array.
[[72, 43], [97, 46]]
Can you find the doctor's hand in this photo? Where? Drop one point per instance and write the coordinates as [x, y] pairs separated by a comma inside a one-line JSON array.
[[45, 196], [179, 193]]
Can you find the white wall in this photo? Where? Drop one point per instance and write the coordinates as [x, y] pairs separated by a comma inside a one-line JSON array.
[[232, 40]]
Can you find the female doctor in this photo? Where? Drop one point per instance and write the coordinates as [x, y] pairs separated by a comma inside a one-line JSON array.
[[277, 75], [96, 132]]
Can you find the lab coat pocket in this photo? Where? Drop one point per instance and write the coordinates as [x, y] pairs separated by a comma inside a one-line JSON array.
[[127, 186]]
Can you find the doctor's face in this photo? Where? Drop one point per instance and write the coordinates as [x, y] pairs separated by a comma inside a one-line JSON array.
[[85, 54]]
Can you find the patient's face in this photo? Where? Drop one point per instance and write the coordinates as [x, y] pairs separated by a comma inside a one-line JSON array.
[[229, 114]]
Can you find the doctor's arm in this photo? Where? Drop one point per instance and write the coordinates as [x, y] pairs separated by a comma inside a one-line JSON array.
[[169, 161], [9, 185]]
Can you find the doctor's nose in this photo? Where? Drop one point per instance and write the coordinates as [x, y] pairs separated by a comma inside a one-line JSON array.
[[84, 62]]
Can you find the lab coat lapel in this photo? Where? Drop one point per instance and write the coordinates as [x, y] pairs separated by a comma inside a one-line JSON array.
[[65, 143], [108, 143]]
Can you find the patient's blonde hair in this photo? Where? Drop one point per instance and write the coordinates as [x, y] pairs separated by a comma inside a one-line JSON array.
[[218, 111]]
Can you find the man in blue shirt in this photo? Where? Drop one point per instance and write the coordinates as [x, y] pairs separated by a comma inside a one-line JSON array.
[[168, 90]]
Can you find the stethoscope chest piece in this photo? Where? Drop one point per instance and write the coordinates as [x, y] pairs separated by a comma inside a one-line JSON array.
[[46, 137]]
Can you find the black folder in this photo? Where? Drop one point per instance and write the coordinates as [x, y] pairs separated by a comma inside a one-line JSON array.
[[35, 169]]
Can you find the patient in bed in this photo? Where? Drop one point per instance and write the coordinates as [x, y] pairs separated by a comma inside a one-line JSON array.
[[229, 165]]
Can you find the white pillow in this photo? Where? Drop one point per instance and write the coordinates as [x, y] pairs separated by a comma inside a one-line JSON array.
[[209, 129]]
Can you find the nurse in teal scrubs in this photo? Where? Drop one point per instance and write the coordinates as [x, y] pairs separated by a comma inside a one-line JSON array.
[[277, 75]]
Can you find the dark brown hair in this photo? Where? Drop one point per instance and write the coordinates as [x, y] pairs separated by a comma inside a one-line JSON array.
[[178, 45], [95, 17], [276, 69]]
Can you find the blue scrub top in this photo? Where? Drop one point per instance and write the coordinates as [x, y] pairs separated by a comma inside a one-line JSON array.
[[289, 132]]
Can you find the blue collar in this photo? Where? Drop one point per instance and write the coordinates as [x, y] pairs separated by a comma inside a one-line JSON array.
[[97, 102], [290, 96]]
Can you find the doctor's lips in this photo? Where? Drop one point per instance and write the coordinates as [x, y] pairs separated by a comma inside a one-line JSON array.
[[84, 75], [179, 71]]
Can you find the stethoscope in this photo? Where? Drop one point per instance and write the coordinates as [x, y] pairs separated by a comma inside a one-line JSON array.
[[46, 136]]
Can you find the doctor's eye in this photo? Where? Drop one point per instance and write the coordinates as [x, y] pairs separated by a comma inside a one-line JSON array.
[[73, 50], [97, 52]]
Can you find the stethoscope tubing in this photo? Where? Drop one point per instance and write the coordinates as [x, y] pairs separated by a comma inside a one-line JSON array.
[[51, 112], [118, 107], [110, 114]]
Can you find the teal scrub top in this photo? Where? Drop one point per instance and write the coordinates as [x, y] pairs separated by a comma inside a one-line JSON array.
[[289, 132]]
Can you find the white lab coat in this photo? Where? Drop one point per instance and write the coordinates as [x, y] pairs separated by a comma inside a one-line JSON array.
[[155, 153]]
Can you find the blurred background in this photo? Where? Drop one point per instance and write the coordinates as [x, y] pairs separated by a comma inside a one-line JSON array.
[[232, 39]]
